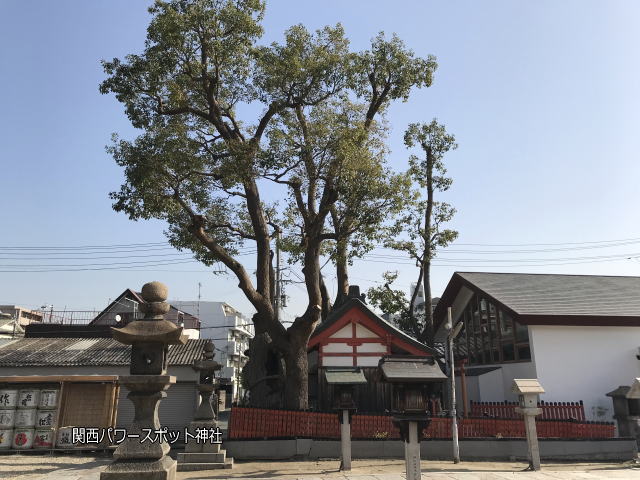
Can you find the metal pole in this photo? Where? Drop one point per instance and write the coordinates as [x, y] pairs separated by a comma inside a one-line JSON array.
[[452, 379]]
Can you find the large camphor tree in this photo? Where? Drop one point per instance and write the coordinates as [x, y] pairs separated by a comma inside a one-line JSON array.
[[225, 119]]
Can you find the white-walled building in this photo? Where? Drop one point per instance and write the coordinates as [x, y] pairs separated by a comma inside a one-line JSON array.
[[230, 332], [578, 334]]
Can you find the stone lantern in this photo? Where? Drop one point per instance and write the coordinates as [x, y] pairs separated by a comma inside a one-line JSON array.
[[204, 455], [344, 382], [626, 409], [413, 379], [149, 338], [529, 391]]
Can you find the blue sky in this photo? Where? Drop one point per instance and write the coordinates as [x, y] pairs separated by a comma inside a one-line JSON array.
[[542, 97]]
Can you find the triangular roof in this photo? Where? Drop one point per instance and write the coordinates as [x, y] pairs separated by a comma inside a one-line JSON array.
[[552, 299], [190, 321], [340, 317]]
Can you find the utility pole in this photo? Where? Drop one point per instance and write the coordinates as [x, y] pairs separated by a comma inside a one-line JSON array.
[[278, 279], [198, 306], [453, 333]]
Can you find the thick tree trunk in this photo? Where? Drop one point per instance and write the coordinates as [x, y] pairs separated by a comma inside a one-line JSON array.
[[342, 274], [326, 301], [296, 387], [263, 375]]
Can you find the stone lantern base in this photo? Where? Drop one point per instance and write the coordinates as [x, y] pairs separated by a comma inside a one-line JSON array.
[[205, 455], [163, 469]]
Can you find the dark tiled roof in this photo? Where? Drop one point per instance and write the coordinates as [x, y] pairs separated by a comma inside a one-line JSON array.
[[52, 352], [344, 376], [411, 369], [550, 294]]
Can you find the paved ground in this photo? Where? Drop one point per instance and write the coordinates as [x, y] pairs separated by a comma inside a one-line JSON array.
[[41, 467]]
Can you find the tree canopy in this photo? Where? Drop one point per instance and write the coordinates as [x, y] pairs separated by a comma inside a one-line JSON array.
[[201, 165]]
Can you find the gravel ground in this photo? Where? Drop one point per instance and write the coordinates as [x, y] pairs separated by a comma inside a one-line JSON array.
[[59, 467]]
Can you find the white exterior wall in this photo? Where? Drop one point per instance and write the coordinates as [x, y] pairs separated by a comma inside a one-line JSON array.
[[494, 386], [367, 348], [584, 363], [230, 333], [491, 386]]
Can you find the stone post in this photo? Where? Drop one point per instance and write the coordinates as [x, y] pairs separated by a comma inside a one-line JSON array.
[[528, 391], [345, 440], [532, 435], [147, 384]]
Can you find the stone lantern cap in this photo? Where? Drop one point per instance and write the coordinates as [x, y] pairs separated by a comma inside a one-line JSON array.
[[344, 376], [410, 369], [526, 385], [153, 328], [207, 364], [634, 391]]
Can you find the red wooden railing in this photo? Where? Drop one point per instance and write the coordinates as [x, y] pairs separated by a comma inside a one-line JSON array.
[[550, 410], [248, 423]]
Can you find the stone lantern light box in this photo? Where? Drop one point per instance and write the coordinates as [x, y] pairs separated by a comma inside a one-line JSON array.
[[528, 391], [344, 381], [414, 379]]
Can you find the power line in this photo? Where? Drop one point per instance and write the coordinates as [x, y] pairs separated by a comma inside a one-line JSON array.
[[547, 244]]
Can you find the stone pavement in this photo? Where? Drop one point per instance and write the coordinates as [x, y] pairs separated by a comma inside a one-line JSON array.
[[31, 467]]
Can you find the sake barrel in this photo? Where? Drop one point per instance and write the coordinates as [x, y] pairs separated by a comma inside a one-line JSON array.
[[43, 439], [22, 438], [6, 437], [65, 437], [45, 418], [48, 399], [7, 418], [28, 398], [8, 398], [25, 418]]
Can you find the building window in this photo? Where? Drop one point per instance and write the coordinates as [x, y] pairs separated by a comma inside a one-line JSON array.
[[491, 335]]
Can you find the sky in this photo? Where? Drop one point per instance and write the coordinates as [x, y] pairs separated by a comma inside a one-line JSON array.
[[542, 97]]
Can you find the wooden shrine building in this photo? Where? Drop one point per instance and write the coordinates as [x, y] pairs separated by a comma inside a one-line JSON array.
[[354, 336]]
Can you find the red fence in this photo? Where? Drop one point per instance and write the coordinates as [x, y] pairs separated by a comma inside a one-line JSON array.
[[550, 410], [248, 423]]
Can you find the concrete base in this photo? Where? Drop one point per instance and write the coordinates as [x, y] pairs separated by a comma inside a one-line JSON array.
[[202, 455], [194, 467], [163, 469], [189, 462], [615, 449]]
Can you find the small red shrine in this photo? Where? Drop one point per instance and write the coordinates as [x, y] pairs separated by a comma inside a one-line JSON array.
[[354, 336]]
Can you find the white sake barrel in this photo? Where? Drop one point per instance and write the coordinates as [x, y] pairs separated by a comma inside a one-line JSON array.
[[45, 418], [48, 399], [22, 438], [65, 437], [28, 398], [8, 398], [6, 437], [43, 439], [7, 418], [25, 418]]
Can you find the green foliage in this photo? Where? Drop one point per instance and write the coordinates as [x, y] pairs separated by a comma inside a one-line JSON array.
[[423, 236], [395, 303], [199, 165]]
